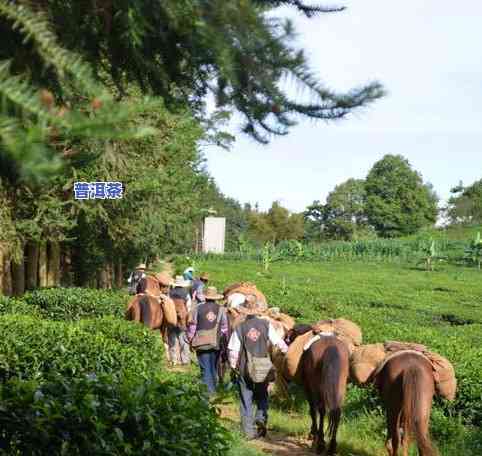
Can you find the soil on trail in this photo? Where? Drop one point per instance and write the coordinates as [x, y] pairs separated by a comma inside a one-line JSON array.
[[279, 444], [275, 443]]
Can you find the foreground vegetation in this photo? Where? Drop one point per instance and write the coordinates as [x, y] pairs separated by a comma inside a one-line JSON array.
[[75, 378], [442, 309]]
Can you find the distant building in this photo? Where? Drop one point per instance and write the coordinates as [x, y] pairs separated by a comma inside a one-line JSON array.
[[213, 234]]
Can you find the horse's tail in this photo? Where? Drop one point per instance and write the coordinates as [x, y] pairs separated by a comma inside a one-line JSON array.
[[145, 308], [413, 412], [332, 391]]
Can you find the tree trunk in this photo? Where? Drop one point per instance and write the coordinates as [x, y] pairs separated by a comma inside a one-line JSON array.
[[32, 266], [42, 265], [119, 279], [18, 277], [110, 275], [102, 277], [66, 277], [53, 269], [7, 278]]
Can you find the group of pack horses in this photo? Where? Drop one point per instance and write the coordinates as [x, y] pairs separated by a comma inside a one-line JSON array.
[[405, 383]]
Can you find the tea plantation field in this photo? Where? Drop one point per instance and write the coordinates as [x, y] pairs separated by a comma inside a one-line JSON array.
[[442, 309]]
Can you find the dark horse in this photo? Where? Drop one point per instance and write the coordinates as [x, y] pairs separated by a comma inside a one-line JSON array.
[[407, 387], [324, 369]]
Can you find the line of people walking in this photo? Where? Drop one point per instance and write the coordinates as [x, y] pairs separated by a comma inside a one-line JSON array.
[[206, 331]]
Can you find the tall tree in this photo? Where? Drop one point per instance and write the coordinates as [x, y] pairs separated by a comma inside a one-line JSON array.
[[465, 206], [397, 200], [344, 212], [276, 225]]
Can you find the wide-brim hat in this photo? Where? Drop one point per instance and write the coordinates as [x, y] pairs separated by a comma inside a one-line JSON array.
[[212, 294], [164, 279], [180, 282], [204, 276], [141, 266]]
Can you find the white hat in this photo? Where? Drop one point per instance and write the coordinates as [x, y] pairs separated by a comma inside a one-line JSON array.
[[180, 282]]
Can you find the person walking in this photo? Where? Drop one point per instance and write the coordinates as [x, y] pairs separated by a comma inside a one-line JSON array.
[[208, 325], [135, 277], [179, 351], [251, 365], [198, 286]]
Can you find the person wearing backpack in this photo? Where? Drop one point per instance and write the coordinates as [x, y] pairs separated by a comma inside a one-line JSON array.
[[251, 363], [208, 325], [179, 352]]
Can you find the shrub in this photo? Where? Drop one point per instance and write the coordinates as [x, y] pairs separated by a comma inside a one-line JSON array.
[[106, 415], [35, 348], [17, 306], [76, 303]]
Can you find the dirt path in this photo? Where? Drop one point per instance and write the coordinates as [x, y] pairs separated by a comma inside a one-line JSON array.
[[275, 443]]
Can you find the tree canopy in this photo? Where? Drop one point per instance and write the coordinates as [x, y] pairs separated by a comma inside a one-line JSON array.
[[398, 202], [465, 206], [183, 50]]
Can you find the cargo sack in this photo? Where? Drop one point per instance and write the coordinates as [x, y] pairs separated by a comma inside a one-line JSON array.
[[364, 361], [259, 368], [245, 288], [169, 309], [345, 330], [278, 359], [287, 321], [444, 376], [294, 354]]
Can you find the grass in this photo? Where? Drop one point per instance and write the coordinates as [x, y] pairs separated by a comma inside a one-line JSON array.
[[442, 309]]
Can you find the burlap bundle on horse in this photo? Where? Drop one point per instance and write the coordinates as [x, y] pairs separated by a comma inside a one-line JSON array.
[[365, 360], [368, 360], [290, 369], [245, 288], [278, 359], [345, 330], [169, 309], [275, 315]]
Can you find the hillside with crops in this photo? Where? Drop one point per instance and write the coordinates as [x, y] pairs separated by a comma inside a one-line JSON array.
[[390, 301]]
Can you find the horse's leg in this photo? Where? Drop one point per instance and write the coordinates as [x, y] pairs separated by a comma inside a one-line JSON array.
[[314, 424], [334, 418], [320, 444], [395, 423]]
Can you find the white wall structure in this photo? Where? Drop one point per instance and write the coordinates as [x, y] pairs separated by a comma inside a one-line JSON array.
[[213, 234]]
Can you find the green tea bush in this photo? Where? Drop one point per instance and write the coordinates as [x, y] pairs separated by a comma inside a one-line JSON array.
[[10, 305], [76, 303], [389, 302], [32, 348], [106, 415]]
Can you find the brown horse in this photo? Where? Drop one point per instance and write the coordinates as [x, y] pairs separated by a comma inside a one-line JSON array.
[[149, 285], [407, 387], [147, 310], [324, 373]]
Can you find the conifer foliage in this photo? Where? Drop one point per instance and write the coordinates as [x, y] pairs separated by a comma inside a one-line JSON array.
[[184, 50]]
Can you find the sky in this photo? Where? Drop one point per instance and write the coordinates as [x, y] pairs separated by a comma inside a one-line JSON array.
[[428, 56]]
